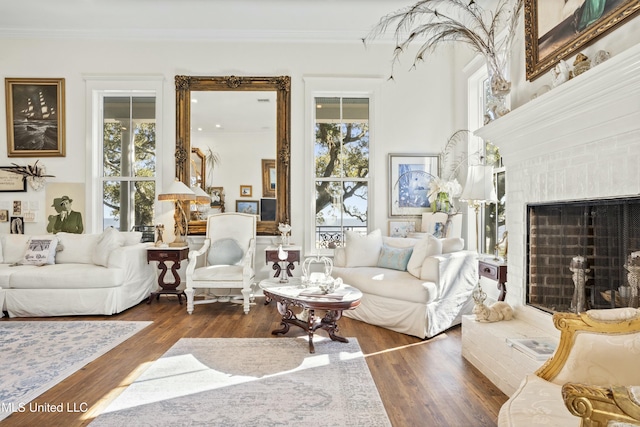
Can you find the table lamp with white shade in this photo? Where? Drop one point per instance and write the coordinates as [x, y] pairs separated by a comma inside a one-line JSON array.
[[478, 190], [178, 192]]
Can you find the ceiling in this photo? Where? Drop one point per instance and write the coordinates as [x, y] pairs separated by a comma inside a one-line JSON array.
[[294, 20]]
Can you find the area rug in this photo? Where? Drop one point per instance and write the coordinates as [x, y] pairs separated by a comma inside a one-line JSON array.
[[252, 382], [35, 356]]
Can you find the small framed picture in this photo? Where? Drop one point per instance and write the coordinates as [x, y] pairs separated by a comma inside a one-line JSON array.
[[4, 215], [267, 209], [217, 196], [401, 228], [246, 191], [247, 206], [17, 225]]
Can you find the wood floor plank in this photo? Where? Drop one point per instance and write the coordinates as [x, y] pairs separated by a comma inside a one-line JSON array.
[[421, 382]]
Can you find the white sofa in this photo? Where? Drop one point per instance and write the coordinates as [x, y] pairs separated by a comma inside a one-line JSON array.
[[84, 274], [429, 295]]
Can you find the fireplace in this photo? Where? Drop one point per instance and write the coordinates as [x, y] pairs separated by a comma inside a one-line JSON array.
[[603, 232], [577, 142]]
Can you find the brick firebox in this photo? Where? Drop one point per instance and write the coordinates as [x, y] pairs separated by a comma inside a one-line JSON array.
[[603, 231]]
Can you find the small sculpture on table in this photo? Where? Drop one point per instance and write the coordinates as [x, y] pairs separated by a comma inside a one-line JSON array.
[[580, 268], [633, 277], [283, 256], [499, 310], [284, 229], [160, 240], [321, 279]]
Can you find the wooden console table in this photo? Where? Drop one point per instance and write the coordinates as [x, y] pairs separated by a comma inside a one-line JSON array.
[[495, 270], [162, 255]]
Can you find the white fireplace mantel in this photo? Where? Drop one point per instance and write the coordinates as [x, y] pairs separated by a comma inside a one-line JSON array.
[[585, 109]]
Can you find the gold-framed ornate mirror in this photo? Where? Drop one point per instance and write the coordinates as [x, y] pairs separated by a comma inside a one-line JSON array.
[[186, 86]]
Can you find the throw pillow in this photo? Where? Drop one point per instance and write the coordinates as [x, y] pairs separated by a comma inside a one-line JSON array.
[[394, 258], [426, 247], [131, 237], [452, 244], [13, 247], [225, 252], [363, 251], [41, 250], [109, 240], [78, 248]]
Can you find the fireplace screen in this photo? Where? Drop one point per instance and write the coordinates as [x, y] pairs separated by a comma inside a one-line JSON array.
[[577, 251]]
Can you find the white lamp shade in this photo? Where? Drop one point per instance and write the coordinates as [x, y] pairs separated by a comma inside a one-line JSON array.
[[177, 191], [479, 186], [202, 198]]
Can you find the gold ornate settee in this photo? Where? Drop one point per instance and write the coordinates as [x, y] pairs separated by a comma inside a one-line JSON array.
[[592, 379]]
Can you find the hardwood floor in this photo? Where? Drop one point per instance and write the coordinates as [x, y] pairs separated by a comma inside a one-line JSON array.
[[421, 382]]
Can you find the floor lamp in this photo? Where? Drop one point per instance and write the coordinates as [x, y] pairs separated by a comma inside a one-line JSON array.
[[479, 189], [178, 192]]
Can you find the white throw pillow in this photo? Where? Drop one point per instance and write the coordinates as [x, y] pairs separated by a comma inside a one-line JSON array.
[[426, 247], [363, 251], [109, 240], [41, 250], [13, 247], [131, 237], [78, 248], [452, 244]]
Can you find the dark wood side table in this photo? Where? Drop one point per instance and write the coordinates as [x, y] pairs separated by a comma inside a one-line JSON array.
[[271, 255], [162, 255], [495, 270]]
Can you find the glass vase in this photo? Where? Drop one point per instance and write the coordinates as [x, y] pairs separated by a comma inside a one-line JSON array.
[[498, 87]]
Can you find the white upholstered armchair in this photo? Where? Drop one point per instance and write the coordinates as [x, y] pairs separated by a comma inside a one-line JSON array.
[[226, 261]]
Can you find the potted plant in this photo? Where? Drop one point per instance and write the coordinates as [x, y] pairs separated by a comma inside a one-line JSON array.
[[434, 22]]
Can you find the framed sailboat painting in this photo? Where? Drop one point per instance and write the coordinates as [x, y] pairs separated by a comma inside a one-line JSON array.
[[35, 117]]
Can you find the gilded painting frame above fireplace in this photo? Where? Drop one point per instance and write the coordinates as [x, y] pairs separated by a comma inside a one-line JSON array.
[[552, 39]]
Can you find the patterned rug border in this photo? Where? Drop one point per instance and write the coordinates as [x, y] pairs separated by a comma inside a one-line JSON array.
[[6, 364]]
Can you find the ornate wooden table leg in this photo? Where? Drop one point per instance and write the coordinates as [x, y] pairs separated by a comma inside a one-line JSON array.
[[287, 315], [311, 318], [330, 324]]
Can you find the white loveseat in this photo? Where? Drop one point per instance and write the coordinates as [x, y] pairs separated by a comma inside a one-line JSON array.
[[84, 274], [419, 287]]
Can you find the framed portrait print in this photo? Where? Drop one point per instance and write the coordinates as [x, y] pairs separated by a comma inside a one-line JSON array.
[[4, 215], [409, 178], [556, 30], [10, 181], [268, 178], [35, 117], [247, 206], [246, 191]]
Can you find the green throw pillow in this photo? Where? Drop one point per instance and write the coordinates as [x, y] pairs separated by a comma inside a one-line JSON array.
[[394, 258]]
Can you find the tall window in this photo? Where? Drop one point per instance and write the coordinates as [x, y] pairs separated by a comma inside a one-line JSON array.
[[124, 146], [341, 160], [128, 161]]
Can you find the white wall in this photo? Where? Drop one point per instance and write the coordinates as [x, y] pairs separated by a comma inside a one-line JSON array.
[[417, 111]]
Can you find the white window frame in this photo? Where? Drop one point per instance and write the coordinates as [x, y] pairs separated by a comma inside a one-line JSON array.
[[341, 87], [96, 88]]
